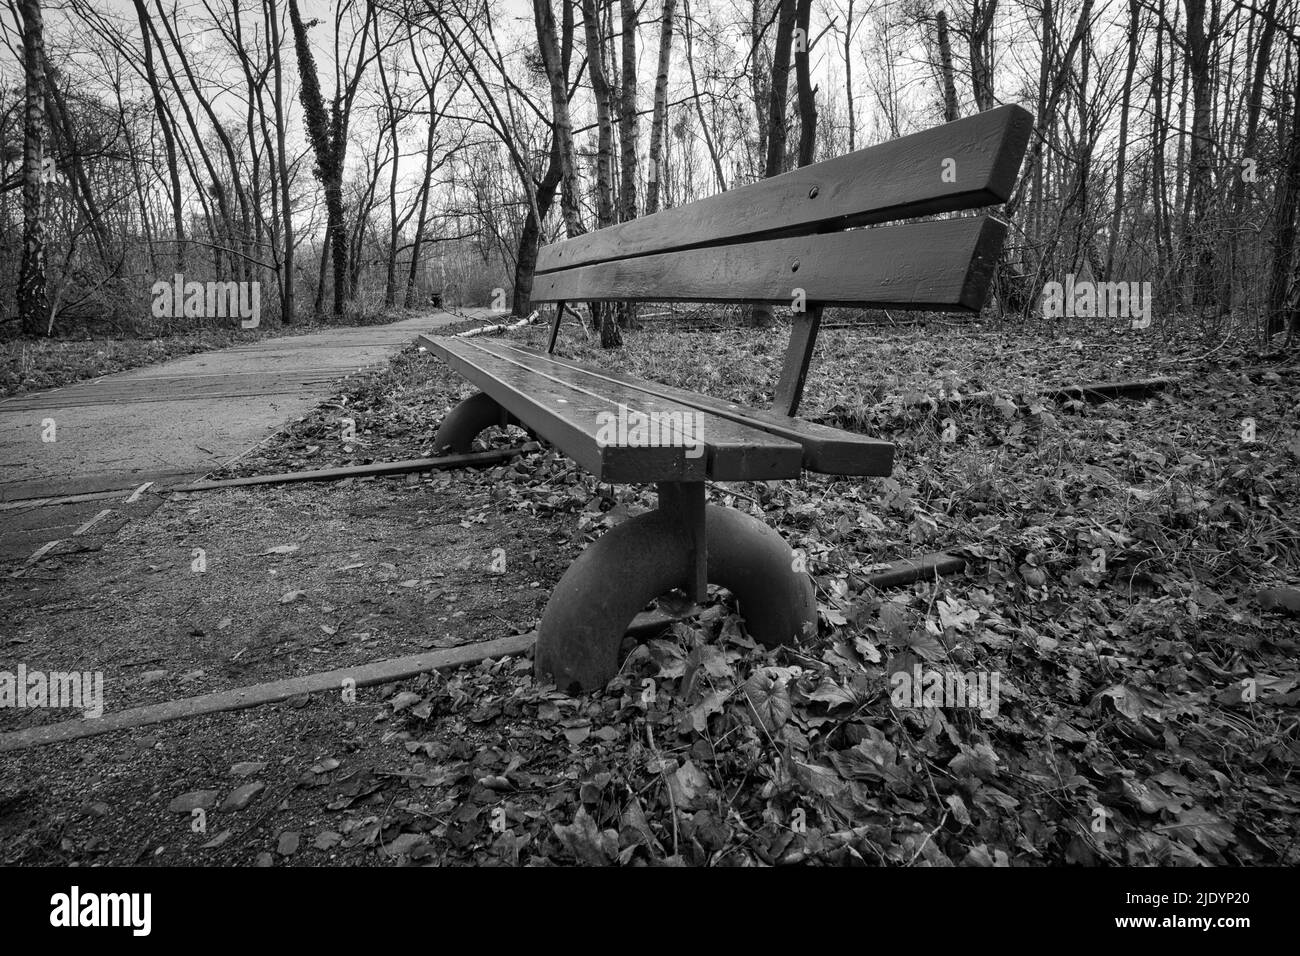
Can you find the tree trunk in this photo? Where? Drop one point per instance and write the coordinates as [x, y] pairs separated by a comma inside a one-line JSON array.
[[1126, 98], [1200, 245], [803, 85], [981, 53], [950, 113], [422, 216], [610, 337], [628, 126], [555, 60], [168, 134], [1182, 196], [1159, 182], [1254, 105], [628, 134], [1285, 202], [660, 110], [33, 305], [776, 100], [848, 77], [759, 316], [1045, 70], [605, 130], [288, 302], [394, 232], [328, 156], [530, 235]]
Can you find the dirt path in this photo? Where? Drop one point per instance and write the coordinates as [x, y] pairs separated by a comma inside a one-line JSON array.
[[165, 423]]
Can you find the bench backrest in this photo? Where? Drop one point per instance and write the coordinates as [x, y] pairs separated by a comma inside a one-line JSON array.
[[782, 240]]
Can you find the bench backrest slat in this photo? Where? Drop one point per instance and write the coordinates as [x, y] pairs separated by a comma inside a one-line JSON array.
[[961, 165], [942, 264]]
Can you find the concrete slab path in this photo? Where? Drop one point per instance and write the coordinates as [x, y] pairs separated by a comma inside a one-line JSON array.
[[168, 423]]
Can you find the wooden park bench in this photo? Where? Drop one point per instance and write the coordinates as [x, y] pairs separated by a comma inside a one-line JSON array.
[[787, 240]]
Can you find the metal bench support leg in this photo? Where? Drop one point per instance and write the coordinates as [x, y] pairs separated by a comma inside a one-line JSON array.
[[589, 612], [466, 420], [555, 327], [683, 503], [798, 355]]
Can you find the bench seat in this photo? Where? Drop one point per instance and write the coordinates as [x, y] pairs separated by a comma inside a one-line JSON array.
[[562, 403], [824, 449], [830, 451], [741, 444]]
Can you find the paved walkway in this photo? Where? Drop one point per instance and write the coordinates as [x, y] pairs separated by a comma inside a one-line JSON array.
[[169, 422]]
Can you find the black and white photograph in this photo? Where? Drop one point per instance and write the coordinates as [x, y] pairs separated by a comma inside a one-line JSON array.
[[827, 434]]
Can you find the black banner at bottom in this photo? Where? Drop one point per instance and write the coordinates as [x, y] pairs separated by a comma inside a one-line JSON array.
[[338, 907]]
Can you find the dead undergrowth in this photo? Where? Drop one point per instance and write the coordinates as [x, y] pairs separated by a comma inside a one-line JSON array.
[[1147, 699]]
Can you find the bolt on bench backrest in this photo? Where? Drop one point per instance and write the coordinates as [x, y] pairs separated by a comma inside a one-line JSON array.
[[781, 240]]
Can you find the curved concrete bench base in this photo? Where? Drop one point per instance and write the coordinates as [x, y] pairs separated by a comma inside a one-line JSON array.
[[464, 422], [644, 557]]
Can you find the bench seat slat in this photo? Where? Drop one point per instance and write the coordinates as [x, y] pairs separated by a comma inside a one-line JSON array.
[[827, 450], [562, 404], [900, 179], [941, 265]]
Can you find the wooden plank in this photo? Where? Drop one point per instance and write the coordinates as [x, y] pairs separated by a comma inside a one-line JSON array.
[[379, 672], [908, 570], [135, 495], [357, 471], [1098, 392], [92, 522], [40, 552], [798, 355], [23, 504], [943, 265], [901, 179], [1108, 390], [563, 404], [825, 449]]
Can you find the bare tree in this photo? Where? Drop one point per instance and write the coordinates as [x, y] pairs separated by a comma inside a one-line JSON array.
[[803, 83], [780, 84], [982, 13], [628, 126], [1134, 27], [1286, 201], [288, 302], [556, 55], [950, 113], [660, 108], [328, 135], [850, 105], [610, 336], [1196, 228], [33, 305]]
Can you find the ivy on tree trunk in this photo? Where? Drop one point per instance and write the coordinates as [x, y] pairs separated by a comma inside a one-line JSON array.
[[329, 156], [33, 304]]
